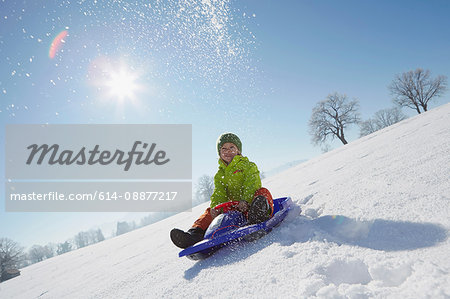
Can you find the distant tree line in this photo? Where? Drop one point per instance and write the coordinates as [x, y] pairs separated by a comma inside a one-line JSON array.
[[381, 119], [204, 189], [332, 116], [13, 256]]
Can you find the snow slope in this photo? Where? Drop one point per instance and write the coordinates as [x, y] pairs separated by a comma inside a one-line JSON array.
[[377, 224]]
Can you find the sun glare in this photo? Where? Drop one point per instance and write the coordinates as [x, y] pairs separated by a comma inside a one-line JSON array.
[[122, 84], [116, 81]]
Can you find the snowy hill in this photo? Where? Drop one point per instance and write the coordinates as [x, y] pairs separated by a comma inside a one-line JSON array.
[[376, 225]]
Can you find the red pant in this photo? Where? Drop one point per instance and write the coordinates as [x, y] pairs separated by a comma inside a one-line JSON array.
[[205, 219]]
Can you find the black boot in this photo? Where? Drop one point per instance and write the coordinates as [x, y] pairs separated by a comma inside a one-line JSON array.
[[259, 210], [186, 239]]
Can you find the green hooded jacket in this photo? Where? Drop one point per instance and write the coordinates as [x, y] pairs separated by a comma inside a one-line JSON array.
[[236, 181]]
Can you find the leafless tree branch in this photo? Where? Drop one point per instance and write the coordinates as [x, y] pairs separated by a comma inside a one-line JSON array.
[[414, 89], [331, 117], [382, 118]]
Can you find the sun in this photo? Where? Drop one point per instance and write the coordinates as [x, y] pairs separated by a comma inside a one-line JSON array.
[[122, 84], [116, 81]]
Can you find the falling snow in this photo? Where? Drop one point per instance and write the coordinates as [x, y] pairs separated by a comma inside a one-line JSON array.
[[206, 41]]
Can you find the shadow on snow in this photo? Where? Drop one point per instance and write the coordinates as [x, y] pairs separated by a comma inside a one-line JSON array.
[[378, 234]]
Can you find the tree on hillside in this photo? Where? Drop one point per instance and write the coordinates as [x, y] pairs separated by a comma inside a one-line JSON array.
[[205, 188], [125, 227], [64, 247], [36, 253], [94, 236], [81, 239], [414, 89], [326, 148], [367, 127], [99, 236], [331, 117], [50, 250], [382, 119], [11, 255]]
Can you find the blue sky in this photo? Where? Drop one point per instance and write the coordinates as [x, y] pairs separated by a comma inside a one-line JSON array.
[[256, 68]]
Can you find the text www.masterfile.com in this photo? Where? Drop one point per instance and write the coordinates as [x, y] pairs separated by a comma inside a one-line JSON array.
[[96, 195]]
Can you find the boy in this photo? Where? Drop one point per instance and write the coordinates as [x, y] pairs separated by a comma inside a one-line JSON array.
[[236, 180]]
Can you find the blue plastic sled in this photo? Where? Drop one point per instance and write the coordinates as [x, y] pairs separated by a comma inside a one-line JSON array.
[[231, 227]]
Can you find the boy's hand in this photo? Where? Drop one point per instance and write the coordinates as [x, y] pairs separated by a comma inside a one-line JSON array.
[[242, 206]]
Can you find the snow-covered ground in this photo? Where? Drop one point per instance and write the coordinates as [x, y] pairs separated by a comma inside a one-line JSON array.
[[376, 225]]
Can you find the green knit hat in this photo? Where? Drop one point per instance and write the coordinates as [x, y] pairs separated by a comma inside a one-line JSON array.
[[229, 137]]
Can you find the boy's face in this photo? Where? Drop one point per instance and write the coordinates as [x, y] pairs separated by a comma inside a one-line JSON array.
[[228, 151]]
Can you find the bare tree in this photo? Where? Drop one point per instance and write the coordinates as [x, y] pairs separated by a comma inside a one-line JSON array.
[[367, 127], [99, 235], [205, 188], [387, 117], [11, 255], [325, 148], [36, 253], [50, 250], [64, 247], [414, 89], [94, 236], [382, 119], [331, 117], [81, 239], [123, 227]]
